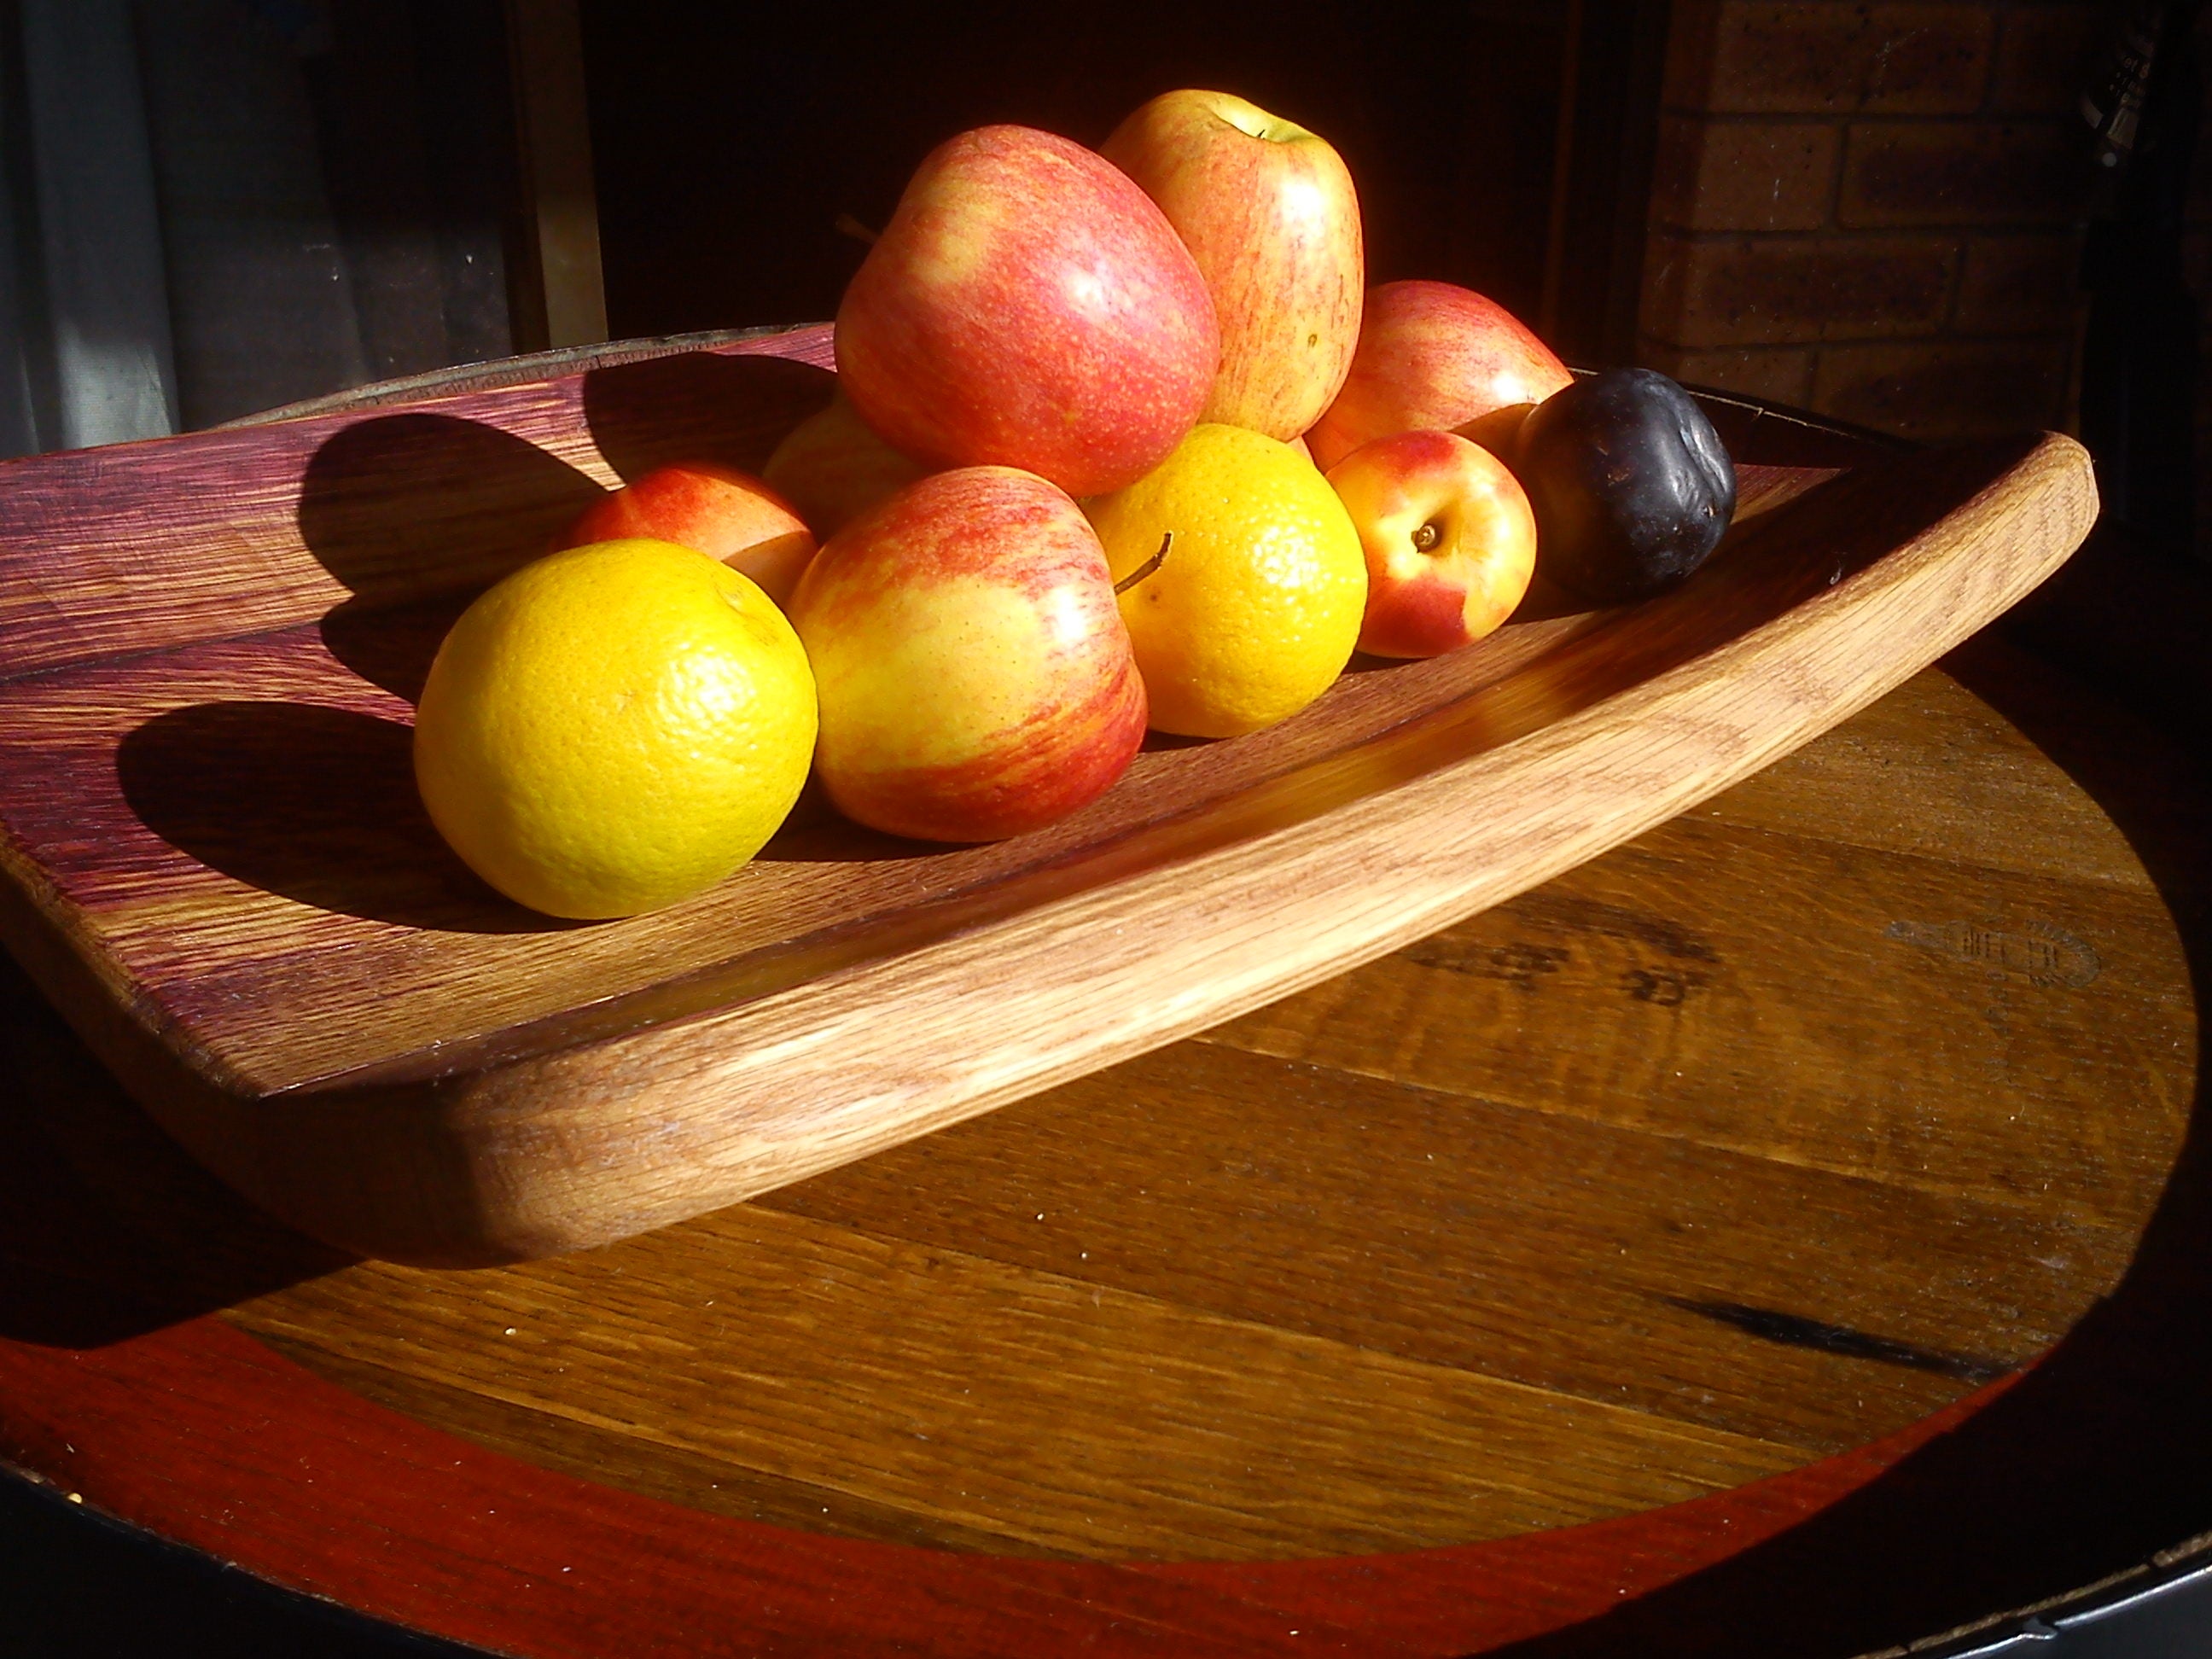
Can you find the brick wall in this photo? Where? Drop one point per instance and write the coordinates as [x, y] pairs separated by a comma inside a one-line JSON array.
[[1873, 210]]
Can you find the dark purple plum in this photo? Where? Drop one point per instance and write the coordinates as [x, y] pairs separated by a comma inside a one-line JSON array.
[[1630, 485]]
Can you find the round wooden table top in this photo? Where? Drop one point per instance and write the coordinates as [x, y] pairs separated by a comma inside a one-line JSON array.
[[1782, 1234]]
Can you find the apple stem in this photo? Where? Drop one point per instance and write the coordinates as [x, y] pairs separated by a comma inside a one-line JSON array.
[[846, 225], [1147, 568], [1425, 538]]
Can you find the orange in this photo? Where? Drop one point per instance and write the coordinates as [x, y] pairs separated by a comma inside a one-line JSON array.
[[1255, 607], [615, 728]]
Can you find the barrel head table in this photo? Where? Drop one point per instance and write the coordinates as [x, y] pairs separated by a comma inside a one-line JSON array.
[[1782, 1235]]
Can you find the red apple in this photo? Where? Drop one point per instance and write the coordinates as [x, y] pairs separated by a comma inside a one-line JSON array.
[[1436, 357], [975, 676], [1027, 306], [1449, 539], [1267, 209], [832, 468], [723, 513]]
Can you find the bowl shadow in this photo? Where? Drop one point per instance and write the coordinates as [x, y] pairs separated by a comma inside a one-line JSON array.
[[108, 1229]]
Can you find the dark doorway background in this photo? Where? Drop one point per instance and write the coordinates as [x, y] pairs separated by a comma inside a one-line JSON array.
[[1504, 145]]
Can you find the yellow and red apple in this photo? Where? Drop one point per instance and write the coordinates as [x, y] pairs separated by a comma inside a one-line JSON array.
[[1433, 356], [1268, 211], [723, 513], [832, 467], [1449, 539], [1029, 306], [975, 676]]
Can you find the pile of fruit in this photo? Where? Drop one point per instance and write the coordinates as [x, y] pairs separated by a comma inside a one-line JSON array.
[[1121, 439]]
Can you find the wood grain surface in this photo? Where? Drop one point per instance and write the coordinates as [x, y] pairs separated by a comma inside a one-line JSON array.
[[219, 868], [1781, 1233]]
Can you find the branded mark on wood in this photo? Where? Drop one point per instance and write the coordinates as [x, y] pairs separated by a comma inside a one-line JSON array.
[[1517, 964], [2036, 952], [1662, 987]]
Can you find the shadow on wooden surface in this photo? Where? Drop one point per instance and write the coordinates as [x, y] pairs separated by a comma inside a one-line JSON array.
[[699, 406], [2098, 1457], [317, 805], [391, 646], [478, 503], [108, 1230]]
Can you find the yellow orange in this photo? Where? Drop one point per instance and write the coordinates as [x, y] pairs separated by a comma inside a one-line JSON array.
[[614, 728], [1255, 606]]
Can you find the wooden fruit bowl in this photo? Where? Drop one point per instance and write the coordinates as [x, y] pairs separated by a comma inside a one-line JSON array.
[[217, 867]]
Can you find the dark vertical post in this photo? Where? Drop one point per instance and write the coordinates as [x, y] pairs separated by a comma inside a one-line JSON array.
[[545, 38]]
